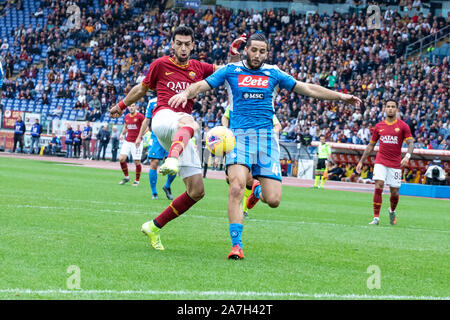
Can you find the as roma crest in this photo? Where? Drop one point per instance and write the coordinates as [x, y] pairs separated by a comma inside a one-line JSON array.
[[192, 75]]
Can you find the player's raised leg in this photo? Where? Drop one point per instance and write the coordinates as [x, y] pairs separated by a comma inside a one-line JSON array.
[[237, 177], [270, 191], [186, 128]]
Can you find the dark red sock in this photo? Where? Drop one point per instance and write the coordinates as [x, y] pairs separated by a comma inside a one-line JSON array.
[[138, 171], [394, 201], [180, 140], [377, 201], [178, 206], [124, 167]]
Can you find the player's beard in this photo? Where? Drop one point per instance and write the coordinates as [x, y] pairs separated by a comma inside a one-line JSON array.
[[182, 60], [249, 64]]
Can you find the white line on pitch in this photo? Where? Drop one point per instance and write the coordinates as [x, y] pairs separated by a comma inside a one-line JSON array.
[[221, 293]]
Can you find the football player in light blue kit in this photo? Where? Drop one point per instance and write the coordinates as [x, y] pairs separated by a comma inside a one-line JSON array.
[[252, 85], [155, 153]]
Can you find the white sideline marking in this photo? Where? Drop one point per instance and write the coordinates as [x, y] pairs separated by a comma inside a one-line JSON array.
[[223, 293], [125, 211]]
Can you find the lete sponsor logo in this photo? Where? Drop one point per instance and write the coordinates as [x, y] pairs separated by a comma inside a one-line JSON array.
[[253, 81]]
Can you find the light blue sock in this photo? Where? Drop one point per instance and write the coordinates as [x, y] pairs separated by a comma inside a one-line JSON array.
[[236, 233], [169, 180], [257, 191], [153, 178]]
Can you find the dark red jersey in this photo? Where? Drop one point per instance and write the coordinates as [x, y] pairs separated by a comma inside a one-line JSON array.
[[391, 138], [133, 124], [168, 78]]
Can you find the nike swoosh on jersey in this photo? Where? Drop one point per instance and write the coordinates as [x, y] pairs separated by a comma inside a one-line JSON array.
[[168, 73]]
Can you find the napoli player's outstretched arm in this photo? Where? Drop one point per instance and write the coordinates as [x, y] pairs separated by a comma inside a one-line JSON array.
[[319, 92], [136, 93], [191, 92]]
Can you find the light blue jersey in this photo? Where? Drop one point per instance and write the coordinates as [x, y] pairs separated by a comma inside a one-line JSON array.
[[251, 93], [155, 150]]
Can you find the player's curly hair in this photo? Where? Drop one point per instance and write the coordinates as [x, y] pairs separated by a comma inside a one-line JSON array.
[[184, 31]]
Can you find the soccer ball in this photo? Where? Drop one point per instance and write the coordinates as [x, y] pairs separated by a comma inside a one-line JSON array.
[[220, 140]]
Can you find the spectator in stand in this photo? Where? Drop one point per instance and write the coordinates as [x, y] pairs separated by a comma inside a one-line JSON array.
[[57, 112], [36, 131], [19, 132], [103, 137], [69, 141]]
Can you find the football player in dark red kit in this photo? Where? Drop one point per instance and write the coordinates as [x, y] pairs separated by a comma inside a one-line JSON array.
[[132, 127], [391, 133], [174, 127]]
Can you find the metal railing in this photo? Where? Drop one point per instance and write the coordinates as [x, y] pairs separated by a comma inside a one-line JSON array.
[[428, 41]]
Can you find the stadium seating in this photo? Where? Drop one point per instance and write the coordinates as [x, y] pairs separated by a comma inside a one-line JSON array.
[[293, 50]]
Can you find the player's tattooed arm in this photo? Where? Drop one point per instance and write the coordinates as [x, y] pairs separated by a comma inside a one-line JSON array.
[[408, 154], [191, 92], [365, 155], [319, 92], [135, 94]]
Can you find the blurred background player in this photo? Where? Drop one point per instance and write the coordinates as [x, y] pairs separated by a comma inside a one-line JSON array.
[[391, 133], [133, 123], [155, 153], [174, 127], [323, 155], [252, 86], [250, 181]]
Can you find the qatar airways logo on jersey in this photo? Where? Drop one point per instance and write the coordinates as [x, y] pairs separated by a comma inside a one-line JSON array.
[[131, 126], [177, 86], [389, 139], [253, 81]]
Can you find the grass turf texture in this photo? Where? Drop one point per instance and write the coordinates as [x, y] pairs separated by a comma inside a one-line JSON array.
[[317, 244]]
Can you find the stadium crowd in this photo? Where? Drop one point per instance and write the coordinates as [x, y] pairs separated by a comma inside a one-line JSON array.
[[332, 49]]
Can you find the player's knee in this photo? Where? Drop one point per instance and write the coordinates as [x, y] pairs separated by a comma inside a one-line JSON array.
[[273, 202], [197, 193], [154, 164], [188, 121], [236, 189]]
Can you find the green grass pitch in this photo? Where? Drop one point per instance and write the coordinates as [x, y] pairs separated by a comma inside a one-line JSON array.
[[316, 245]]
